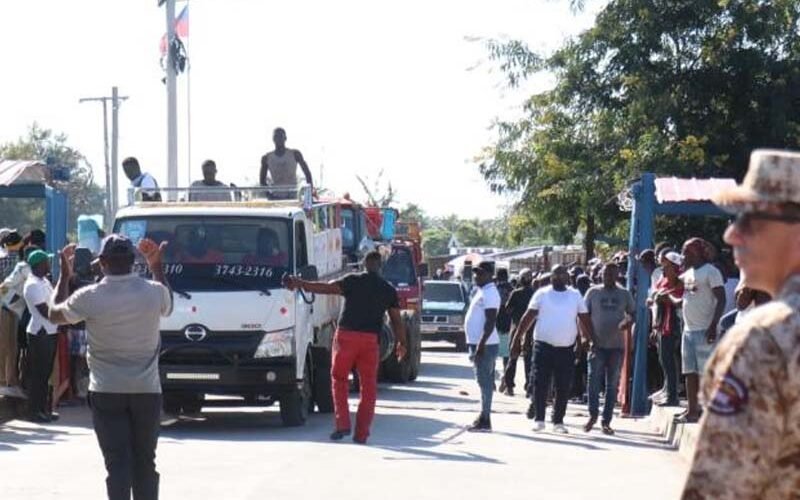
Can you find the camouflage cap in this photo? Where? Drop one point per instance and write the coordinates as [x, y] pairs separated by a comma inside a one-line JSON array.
[[773, 179]]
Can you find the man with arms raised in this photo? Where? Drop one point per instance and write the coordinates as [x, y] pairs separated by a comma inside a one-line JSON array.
[[122, 314]]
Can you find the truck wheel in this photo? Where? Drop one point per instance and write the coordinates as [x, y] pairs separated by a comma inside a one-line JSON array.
[[400, 372], [323, 393], [461, 342], [295, 404], [415, 344]]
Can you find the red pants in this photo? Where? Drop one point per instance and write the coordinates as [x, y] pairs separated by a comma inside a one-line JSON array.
[[359, 349]]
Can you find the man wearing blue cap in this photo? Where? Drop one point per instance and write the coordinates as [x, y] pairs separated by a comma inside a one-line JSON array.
[[122, 315]]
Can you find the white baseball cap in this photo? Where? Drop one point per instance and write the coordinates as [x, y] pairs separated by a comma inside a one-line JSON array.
[[674, 257], [6, 231]]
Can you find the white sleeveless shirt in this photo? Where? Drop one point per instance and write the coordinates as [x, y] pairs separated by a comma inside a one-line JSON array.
[[282, 169]]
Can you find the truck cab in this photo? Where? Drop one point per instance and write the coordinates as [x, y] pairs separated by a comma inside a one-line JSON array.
[[234, 330]]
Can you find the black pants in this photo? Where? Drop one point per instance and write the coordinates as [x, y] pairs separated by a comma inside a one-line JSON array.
[[41, 355], [127, 427], [666, 353], [550, 362], [579, 384], [511, 369]]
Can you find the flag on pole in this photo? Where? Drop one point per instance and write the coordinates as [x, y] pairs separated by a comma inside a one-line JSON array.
[[181, 28]]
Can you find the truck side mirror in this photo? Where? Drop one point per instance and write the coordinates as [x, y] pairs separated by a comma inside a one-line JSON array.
[[422, 270], [308, 273]]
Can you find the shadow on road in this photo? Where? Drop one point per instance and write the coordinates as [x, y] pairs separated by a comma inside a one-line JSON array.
[[12, 436]]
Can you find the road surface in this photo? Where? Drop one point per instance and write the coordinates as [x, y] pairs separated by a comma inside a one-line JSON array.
[[418, 450]]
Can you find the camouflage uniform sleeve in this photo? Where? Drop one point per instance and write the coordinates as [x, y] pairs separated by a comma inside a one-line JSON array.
[[743, 421]]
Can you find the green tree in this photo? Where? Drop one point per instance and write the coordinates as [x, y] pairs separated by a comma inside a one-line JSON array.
[[675, 87], [84, 196]]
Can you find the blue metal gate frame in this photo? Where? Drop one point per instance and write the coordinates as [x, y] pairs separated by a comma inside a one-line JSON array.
[[645, 209], [56, 213]]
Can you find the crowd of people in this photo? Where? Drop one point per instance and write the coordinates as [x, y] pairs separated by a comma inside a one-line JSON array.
[[572, 326]]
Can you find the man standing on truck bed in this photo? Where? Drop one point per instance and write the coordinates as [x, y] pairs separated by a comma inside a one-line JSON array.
[[281, 165], [367, 297]]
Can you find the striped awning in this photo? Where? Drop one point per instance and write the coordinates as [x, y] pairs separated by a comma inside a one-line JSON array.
[[22, 172], [673, 189]]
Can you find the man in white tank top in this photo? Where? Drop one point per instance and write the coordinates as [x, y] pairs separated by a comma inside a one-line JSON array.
[[281, 165]]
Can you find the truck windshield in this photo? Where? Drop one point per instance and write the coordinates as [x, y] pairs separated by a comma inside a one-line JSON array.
[[210, 253], [399, 268], [442, 292]]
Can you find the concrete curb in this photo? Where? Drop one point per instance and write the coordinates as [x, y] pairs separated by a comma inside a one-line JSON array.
[[681, 436]]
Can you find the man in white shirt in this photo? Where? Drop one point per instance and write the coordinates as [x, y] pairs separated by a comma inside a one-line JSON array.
[[703, 305], [142, 180], [557, 310], [483, 340], [41, 336]]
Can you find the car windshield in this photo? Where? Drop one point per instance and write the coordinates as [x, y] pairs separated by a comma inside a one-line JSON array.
[[399, 268], [442, 292], [207, 253]]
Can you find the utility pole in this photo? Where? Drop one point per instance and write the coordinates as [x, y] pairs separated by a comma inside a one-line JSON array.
[[115, 102], [172, 102], [110, 166]]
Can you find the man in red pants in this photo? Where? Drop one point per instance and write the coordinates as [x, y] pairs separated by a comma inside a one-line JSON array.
[[367, 298]]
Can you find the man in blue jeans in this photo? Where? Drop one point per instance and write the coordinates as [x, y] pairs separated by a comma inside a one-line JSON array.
[[482, 339], [611, 308]]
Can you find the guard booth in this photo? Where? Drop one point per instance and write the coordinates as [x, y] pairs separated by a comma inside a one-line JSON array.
[[28, 179], [646, 198]]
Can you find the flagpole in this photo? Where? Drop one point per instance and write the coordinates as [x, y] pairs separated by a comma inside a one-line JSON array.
[[172, 102], [188, 110]]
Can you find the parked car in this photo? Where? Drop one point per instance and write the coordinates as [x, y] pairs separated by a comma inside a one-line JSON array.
[[444, 304]]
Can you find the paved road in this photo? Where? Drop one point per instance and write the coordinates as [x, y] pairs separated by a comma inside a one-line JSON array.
[[418, 450]]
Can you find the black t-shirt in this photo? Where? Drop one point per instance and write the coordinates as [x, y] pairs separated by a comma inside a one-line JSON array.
[[518, 303], [367, 297], [503, 316]]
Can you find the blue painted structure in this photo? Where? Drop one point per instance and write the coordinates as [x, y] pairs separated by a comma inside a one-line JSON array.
[[645, 209], [56, 214]]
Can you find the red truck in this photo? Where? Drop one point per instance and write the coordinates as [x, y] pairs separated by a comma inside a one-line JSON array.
[[364, 228]]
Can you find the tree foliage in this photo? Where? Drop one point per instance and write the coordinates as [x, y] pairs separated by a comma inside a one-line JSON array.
[[676, 87], [84, 196]]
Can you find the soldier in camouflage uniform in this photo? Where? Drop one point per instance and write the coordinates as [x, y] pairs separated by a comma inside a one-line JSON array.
[[749, 444]]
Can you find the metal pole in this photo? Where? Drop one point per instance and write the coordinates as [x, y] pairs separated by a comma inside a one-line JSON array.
[[109, 201], [641, 237], [172, 103], [111, 168], [114, 151]]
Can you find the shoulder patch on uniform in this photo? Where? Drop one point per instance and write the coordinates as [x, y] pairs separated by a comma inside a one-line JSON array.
[[730, 396]]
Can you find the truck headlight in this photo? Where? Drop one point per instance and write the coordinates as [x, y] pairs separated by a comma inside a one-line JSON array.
[[276, 344], [457, 320]]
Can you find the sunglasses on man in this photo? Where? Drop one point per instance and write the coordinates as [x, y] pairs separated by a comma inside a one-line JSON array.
[[744, 222]]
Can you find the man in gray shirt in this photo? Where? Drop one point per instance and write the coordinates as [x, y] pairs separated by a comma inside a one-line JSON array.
[[611, 308], [122, 315]]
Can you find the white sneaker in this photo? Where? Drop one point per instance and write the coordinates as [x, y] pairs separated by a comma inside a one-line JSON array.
[[560, 429], [538, 427], [5, 390]]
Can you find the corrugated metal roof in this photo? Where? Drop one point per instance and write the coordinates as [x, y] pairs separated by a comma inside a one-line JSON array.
[[22, 172], [673, 189]]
